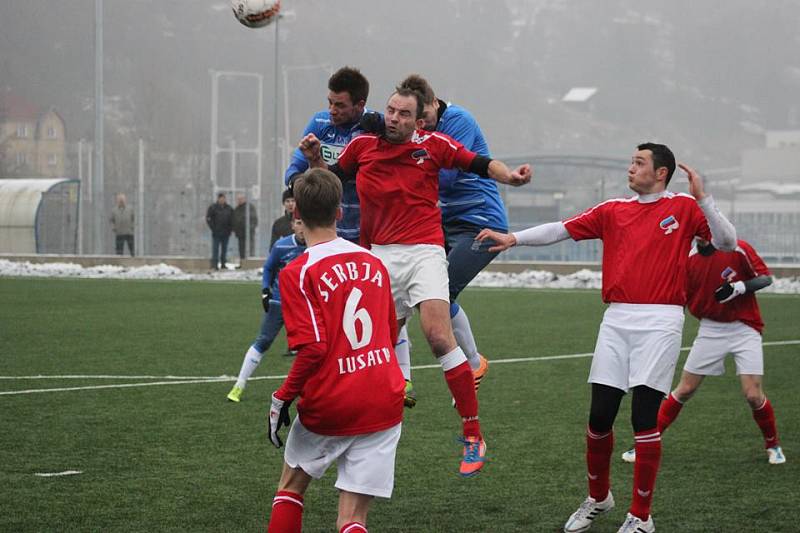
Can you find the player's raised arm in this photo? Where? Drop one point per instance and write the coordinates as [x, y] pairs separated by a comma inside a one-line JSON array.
[[494, 169], [723, 234], [500, 172]]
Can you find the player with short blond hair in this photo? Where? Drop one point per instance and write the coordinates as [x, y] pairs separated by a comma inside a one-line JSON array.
[[341, 320]]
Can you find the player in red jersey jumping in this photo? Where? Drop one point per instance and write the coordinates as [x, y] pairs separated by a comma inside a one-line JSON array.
[[722, 288], [646, 242], [340, 317], [397, 179]]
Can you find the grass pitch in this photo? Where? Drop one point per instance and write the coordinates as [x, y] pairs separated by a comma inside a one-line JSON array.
[[178, 457]]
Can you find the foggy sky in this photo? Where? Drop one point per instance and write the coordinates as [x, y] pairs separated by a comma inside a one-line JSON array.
[[705, 77]]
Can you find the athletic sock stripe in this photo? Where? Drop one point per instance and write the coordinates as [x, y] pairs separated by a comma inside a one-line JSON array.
[[596, 436], [286, 499], [644, 441], [353, 527], [648, 436]]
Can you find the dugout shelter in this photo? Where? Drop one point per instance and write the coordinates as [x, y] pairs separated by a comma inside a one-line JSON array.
[[39, 216]]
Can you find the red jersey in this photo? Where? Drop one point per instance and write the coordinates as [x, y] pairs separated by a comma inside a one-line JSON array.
[[337, 300], [706, 273], [645, 246], [398, 185]]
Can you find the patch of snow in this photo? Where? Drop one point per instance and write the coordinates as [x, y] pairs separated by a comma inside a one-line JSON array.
[[536, 279]]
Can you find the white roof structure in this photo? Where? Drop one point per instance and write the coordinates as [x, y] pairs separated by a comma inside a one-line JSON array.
[[579, 94], [22, 216]]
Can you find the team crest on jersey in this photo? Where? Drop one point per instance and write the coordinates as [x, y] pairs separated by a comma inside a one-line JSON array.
[[669, 224], [728, 274], [420, 155]]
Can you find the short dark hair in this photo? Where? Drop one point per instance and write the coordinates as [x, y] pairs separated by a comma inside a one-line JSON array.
[[286, 195], [418, 83], [317, 196], [351, 81], [221, 195], [662, 157], [405, 91]]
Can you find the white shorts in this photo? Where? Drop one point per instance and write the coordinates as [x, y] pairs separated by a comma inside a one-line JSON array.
[[715, 340], [638, 344], [418, 272], [365, 462]]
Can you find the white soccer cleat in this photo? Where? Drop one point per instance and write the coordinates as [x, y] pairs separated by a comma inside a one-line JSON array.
[[634, 524], [629, 456], [776, 456], [582, 519]]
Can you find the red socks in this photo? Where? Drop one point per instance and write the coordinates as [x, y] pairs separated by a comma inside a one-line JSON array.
[[668, 412], [287, 513], [599, 447], [353, 527], [645, 470], [765, 418], [461, 382]]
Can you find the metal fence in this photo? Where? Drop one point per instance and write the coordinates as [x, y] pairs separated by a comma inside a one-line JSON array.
[[170, 194]]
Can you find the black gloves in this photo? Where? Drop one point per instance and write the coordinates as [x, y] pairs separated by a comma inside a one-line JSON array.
[[266, 296], [372, 122], [278, 417]]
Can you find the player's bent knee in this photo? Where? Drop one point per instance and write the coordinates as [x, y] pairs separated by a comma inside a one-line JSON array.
[[754, 398], [684, 394]]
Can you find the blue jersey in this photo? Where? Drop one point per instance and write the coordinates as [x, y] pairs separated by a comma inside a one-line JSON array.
[[333, 140], [463, 196], [285, 250]]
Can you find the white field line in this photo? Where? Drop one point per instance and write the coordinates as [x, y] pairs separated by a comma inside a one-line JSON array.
[[58, 474], [174, 380]]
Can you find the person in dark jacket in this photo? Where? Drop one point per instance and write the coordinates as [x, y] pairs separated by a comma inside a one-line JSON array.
[[220, 219], [283, 225], [242, 214]]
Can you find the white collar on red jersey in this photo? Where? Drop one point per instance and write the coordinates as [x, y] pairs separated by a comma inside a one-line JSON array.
[[652, 197]]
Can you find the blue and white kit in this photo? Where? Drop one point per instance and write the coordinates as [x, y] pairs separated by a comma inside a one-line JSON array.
[[333, 140]]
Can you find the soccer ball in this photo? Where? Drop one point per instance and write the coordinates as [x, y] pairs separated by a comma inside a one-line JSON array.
[[256, 13]]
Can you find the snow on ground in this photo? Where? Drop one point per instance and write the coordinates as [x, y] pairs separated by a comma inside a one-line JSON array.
[[583, 279]]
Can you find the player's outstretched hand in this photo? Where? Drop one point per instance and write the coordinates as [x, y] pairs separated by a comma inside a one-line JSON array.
[[266, 296], [521, 175], [695, 182], [504, 240], [278, 417], [728, 291], [311, 147]]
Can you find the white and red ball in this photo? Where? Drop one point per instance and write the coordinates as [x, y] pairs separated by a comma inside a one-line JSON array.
[[256, 13]]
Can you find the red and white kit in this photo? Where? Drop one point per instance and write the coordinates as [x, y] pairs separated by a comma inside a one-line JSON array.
[[645, 246], [339, 314], [645, 254], [706, 273], [398, 185], [733, 327]]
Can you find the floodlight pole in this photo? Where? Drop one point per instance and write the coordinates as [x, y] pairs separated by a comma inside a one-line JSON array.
[[98, 201]]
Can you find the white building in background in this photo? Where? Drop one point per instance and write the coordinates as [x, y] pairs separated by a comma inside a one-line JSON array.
[[763, 197]]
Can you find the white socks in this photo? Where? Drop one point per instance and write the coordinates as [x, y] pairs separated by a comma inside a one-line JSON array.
[[452, 359], [403, 352], [464, 338], [251, 361]]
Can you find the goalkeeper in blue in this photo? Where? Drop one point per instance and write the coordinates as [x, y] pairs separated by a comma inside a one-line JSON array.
[[283, 252]]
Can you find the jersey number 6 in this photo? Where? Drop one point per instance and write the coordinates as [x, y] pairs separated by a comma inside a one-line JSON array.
[[352, 315]]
